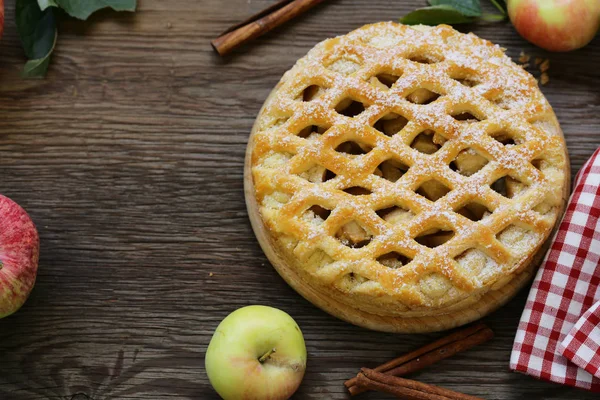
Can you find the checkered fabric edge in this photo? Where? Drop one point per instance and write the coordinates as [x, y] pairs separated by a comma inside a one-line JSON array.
[[566, 286], [582, 344]]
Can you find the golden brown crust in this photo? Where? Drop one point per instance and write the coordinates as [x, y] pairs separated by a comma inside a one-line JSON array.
[[385, 215]]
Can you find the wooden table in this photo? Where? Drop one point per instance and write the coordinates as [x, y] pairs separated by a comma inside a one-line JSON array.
[[129, 157]]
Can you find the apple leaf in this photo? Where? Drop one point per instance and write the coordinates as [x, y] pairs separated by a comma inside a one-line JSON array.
[[492, 17], [83, 9], [36, 68], [468, 8], [37, 30], [434, 15], [46, 3], [36, 23]]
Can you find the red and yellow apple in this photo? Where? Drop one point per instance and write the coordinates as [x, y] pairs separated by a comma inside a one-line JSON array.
[[256, 353], [19, 251], [556, 25], [1, 17]]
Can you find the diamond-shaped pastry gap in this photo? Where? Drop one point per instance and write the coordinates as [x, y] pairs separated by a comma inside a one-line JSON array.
[[320, 211], [475, 262], [395, 214], [425, 58], [474, 210], [540, 163], [425, 143], [345, 65], [274, 159], [357, 191], [499, 186], [390, 124], [468, 82], [505, 138], [467, 117], [517, 238], [508, 186], [316, 173], [433, 238], [504, 102], [319, 259], [312, 92], [353, 148], [544, 208], [278, 122], [434, 285], [387, 79], [276, 199], [354, 235], [422, 96], [515, 187], [468, 162], [433, 190], [466, 253], [350, 107], [329, 175], [391, 169], [313, 131], [468, 79], [393, 260]]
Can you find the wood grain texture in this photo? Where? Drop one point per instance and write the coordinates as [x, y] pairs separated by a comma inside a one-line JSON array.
[[129, 158]]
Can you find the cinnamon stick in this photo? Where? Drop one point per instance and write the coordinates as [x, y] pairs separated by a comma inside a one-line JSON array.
[[401, 392], [395, 381], [442, 353], [427, 355], [261, 23]]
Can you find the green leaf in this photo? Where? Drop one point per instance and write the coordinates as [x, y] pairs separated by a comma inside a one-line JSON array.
[[37, 30], [492, 17], [82, 9], [500, 5], [435, 15], [36, 68], [46, 3], [469, 8]]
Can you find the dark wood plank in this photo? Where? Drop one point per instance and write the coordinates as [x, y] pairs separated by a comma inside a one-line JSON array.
[[129, 158]]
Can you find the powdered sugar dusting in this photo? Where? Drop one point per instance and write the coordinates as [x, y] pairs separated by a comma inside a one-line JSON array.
[[469, 90]]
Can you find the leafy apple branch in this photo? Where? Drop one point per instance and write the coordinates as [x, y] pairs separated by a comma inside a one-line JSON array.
[[36, 24], [454, 12]]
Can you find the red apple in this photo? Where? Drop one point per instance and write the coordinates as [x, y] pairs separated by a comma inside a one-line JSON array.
[[19, 252], [1, 17], [556, 25]]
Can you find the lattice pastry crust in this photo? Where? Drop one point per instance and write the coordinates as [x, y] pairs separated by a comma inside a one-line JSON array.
[[403, 178]]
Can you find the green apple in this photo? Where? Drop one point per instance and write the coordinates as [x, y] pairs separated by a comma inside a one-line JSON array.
[[256, 353]]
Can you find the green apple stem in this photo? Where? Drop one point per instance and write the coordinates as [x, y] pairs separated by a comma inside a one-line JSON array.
[[266, 356]]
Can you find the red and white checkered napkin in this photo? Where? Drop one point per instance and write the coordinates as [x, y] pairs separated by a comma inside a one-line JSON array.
[[558, 338]]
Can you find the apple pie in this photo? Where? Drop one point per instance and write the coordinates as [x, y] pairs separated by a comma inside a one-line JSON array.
[[406, 178]]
